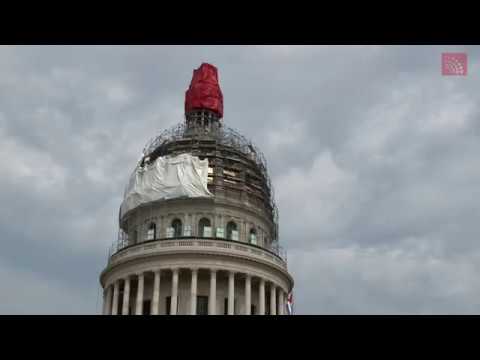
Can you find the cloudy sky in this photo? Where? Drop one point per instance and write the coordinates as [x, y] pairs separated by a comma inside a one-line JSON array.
[[374, 156]]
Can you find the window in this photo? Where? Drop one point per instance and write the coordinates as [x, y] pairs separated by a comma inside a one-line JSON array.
[[232, 233], [205, 227], [252, 237], [202, 305], [134, 237], [152, 232], [177, 228], [220, 232], [187, 230], [253, 310]]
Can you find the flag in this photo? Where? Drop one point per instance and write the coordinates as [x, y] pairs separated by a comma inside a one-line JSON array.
[[290, 304]]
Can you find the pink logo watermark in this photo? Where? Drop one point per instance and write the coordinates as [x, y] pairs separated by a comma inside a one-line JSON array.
[[454, 64]]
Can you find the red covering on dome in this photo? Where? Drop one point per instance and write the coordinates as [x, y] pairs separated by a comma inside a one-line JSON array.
[[204, 91]]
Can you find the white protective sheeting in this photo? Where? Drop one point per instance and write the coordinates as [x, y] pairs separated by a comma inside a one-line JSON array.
[[168, 177]]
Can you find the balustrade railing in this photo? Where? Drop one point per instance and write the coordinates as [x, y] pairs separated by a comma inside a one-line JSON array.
[[274, 249]]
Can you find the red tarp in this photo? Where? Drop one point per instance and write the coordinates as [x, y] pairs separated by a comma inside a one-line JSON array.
[[204, 91]]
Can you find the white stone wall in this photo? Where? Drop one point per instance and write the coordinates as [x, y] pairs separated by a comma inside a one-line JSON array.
[[163, 214]]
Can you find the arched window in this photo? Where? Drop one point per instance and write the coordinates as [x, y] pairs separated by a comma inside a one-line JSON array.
[[232, 232], [177, 228], [252, 237], [205, 227], [152, 231]]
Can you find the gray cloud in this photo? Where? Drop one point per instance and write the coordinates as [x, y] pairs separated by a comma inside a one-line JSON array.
[[373, 155]]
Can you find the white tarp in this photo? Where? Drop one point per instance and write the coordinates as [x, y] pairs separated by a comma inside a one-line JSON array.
[[167, 178]]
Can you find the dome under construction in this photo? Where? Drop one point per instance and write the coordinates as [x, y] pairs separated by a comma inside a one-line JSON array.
[[198, 225]]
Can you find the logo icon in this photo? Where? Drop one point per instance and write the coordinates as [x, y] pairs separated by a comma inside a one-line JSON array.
[[454, 64]]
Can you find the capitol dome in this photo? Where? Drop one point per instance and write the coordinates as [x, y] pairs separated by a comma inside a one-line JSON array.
[[198, 224]]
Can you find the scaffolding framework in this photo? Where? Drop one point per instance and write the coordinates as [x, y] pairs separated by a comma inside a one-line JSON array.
[[203, 134], [225, 136]]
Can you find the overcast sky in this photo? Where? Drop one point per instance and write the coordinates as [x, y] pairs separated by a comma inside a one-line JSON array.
[[374, 156]]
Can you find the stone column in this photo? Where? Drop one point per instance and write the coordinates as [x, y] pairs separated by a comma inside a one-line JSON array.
[[193, 292], [248, 294], [242, 231], [161, 230], [273, 299], [108, 301], [194, 225], [126, 296], [281, 305], [139, 307], [278, 294], [222, 225], [115, 298], [141, 233], [185, 223], [231, 293], [173, 298], [212, 299], [104, 301], [261, 297], [156, 293]]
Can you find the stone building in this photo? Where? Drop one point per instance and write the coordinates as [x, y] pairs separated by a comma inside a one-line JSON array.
[[198, 227]]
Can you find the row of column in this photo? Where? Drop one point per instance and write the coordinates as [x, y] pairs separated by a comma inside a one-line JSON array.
[[111, 300]]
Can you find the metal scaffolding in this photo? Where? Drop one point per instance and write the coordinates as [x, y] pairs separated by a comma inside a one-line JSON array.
[[225, 136]]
